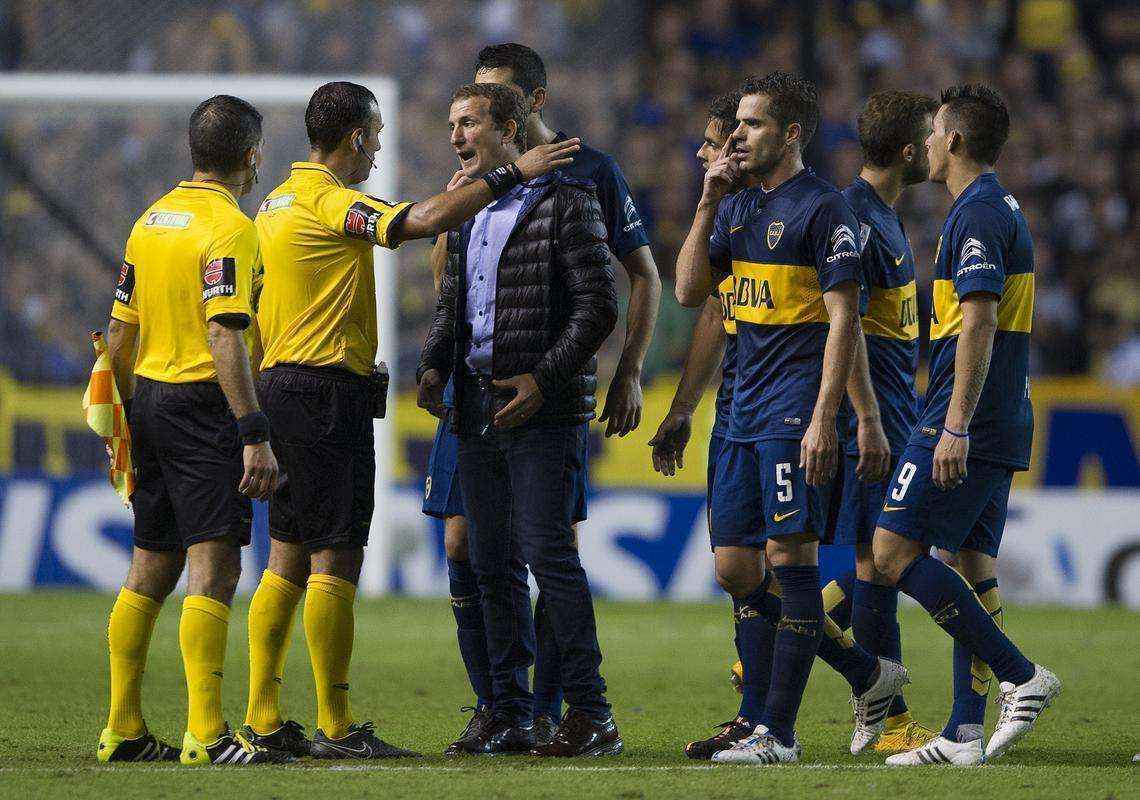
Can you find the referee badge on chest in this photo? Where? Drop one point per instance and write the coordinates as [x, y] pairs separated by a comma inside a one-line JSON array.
[[775, 231]]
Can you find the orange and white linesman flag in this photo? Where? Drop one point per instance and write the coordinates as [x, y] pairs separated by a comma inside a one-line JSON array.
[[107, 417]]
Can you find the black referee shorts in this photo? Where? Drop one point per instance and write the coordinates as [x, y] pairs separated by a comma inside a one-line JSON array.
[[188, 457], [320, 421]]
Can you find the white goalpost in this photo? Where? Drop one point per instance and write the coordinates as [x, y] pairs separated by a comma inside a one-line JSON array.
[[282, 99]]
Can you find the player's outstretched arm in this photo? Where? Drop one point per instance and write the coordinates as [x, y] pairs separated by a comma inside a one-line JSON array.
[[819, 449], [122, 342], [971, 366], [231, 360], [623, 404], [450, 209], [874, 449], [705, 353]]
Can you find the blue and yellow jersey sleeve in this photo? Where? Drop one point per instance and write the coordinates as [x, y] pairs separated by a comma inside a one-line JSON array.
[[831, 242], [624, 224]]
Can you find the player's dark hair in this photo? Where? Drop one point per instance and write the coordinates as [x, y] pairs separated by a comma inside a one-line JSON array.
[[722, 110], [334, 111], [506, 104], [525, 65], [890, 121], [980, 115], [222, 130], [791, 99]]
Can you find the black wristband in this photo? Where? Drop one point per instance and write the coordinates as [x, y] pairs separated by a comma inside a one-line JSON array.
[[254, 428], [502, 179]]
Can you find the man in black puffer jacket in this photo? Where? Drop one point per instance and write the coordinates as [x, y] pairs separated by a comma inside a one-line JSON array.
[[527, 298]]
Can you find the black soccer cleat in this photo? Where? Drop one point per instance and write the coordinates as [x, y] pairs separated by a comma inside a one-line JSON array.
[[360, 742], [228, 751], [147, 747], [478, 723], [289, 738], [545, 726], [730, 733]]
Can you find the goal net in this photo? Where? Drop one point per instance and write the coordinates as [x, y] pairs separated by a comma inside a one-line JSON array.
[[83, 155]]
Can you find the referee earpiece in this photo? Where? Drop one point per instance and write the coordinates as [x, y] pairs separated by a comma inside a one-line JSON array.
[[358, 143]]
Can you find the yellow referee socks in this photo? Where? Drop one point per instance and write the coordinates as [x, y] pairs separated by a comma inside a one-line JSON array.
[[270, 630], [329, 629], [128, 639], [202, 635]]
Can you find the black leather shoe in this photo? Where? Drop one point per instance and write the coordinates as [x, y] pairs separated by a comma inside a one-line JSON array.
[[544, 728], [475, 727], [500, 736], [579, 734]]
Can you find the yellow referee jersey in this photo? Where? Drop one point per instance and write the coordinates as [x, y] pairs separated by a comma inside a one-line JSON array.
[[318, 306], [191, 257]]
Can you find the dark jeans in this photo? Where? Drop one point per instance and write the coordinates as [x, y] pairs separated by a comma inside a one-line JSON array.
[[517, 490]]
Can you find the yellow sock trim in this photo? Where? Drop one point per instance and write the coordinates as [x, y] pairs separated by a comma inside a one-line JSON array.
[[833, 595], [329, 629], [836, 633], [981, 676], [128, 640], [202, 635], [270, 631]]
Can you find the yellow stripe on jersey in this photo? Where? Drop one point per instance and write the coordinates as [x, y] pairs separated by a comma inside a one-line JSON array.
[[1015, 309], [191, 257], [318, 305], [777, 294], [727, 291], [892, 313]]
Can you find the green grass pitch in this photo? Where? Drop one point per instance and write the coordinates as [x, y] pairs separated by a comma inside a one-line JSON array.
[[667, 667]]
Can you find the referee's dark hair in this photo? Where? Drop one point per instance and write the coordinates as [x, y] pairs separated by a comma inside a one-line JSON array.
[[980, 115], [334, 111], [791, 99], [222, 131], [723, 111], [525, 65], [890, 121]]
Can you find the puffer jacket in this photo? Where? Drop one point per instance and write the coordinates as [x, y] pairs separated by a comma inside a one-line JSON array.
[[555, 302]]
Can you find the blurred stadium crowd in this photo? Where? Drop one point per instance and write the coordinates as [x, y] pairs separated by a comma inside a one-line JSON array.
[[632, 78]]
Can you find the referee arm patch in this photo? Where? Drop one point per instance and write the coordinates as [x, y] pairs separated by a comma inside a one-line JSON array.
[[125, 287], [219, 279], [360, 221]]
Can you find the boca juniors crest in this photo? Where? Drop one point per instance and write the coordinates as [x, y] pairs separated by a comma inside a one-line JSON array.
[[775, 231]]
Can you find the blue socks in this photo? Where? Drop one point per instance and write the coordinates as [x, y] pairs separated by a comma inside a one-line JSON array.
[[794, 650], [468, 609], [547, 665], [849, 659], [874, 618], [756, 617], [972, 677], [951, 602]]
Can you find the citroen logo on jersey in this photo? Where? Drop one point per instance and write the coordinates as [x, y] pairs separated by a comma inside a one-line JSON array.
[[775, 231], [973, 249], [842, 237]]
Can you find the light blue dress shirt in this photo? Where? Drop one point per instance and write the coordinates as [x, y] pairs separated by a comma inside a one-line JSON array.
[[489, 234]]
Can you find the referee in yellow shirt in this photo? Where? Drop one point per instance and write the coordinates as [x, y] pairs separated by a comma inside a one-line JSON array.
[[318, 325], [184, 299]]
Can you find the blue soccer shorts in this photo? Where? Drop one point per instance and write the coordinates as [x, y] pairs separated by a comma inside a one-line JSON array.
[[760, 491], [968, 517], [859, 506]]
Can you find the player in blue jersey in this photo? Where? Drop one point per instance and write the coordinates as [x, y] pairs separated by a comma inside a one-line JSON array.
[[791, 246], [877, 419], [951, 485], [522, 69]]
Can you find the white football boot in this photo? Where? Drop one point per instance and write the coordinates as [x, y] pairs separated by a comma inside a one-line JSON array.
[[941, 750], [1020, 708], [760, 748], [872, 706]]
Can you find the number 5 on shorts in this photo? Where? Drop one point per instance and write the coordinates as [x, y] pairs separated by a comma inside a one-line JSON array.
[[784, 481], [906, 475]]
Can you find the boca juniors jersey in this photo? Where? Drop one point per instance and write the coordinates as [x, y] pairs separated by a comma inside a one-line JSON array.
[[985, 247], [726, 293], [890, 319], [785, 248]]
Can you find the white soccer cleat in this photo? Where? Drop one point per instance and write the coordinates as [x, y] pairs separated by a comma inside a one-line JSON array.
[[872, 706], [1020, 708], [941, 750], [760, 748]]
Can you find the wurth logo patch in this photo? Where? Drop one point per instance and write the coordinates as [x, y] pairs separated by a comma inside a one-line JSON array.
[[126, 285], [360, 221], [219, 279]]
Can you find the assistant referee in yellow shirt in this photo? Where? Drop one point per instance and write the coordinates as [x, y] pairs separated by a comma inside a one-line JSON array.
[[318, 327], [185, 297]]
